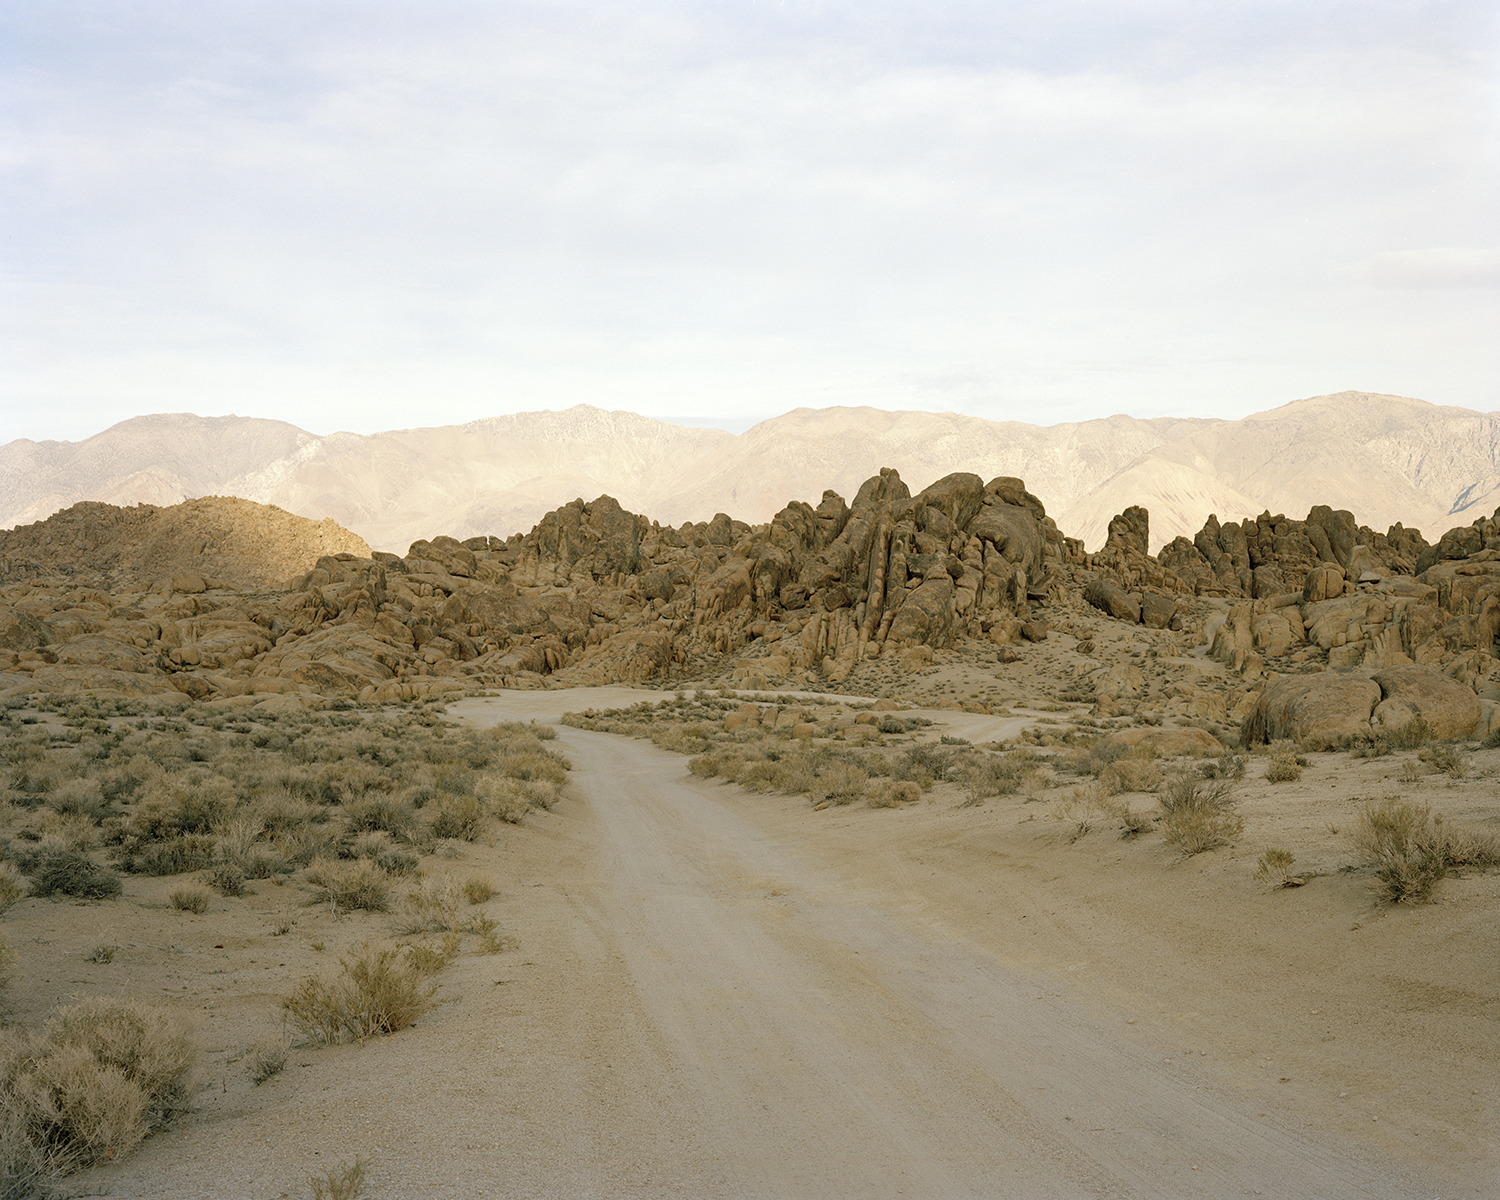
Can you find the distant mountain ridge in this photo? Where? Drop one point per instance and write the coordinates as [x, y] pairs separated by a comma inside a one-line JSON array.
[[1385, 458]]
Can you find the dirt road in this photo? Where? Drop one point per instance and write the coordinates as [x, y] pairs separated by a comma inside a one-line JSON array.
[[725, 995], [796, 1033]]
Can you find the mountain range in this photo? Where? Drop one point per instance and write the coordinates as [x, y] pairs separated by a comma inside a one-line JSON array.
[[1385, 458]]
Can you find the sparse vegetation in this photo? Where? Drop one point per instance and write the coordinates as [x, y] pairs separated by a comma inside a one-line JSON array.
[[339, 1183], [267, 1058], [87, 1087], [345, 886], [13, 887], [1198, 814], [1411, 849], [478, 889], [1274, 868], [189, 897], [377, 990]]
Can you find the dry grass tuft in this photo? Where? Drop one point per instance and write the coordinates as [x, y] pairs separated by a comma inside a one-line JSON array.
[[1198, 814], [891, 793], [88, 1087], [478, 889], [1411, 849], [1274, 868], [13, 887], [267, 1058], [377, 990], [189, 897], [346, 886], [347, 1183]]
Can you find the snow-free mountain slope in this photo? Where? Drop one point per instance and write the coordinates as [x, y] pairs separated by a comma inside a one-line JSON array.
[[1385, 458]]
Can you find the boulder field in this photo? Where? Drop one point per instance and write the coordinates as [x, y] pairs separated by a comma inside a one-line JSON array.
[[1330, 628]]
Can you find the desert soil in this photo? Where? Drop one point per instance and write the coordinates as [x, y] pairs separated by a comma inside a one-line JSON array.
[[722, 994]]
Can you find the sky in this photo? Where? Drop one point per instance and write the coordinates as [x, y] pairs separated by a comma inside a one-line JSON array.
[[367, 216]]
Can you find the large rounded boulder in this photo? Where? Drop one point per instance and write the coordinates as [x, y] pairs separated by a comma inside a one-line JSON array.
[[1317, 711], [1450, 709]]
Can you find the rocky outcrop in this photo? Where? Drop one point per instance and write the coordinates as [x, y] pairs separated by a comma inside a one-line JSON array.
[[218, 539], [597, 594], [1272, 555], [1331, 709]]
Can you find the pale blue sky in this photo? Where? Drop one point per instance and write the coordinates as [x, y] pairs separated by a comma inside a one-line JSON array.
[[368, 216]]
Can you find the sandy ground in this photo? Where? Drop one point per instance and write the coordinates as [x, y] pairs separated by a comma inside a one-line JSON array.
[[720, 994]]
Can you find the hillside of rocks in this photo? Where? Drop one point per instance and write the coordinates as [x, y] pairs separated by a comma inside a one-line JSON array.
[[222, 540], [196, 599]]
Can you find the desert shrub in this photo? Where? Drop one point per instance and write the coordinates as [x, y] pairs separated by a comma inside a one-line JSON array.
[[197, 803], [264, 862], [459, 816], [1130, 773], [478, 889], [119, 786], [1283, 768], [57, 870], [1410, 736], [428, 959], [171, 856], [838, 783], [932, 761], [227, 878], [1411, 849], [13, 886], [382, 812], [379, 849], [1446, 758], [431, 906], [78, 797], [267, 1058], [346, 886], [716, 763], [339, 1183], [1274, 867], [236, 837], [1198, 814], [491, 940], [189, 897], [892, 792], [1133, 822], [540, 793], [283, 810], [985, 775], [301, 846], [501, 797], [377, 990], [345, 781], [1228, 765], [88, 1086]]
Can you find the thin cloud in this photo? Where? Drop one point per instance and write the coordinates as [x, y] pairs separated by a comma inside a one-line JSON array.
[[344, 215]]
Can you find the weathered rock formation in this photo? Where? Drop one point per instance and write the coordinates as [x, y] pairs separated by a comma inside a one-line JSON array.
[[158, 600], [219, 539]]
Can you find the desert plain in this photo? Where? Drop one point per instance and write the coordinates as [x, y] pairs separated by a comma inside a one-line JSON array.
[[897, 847]]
